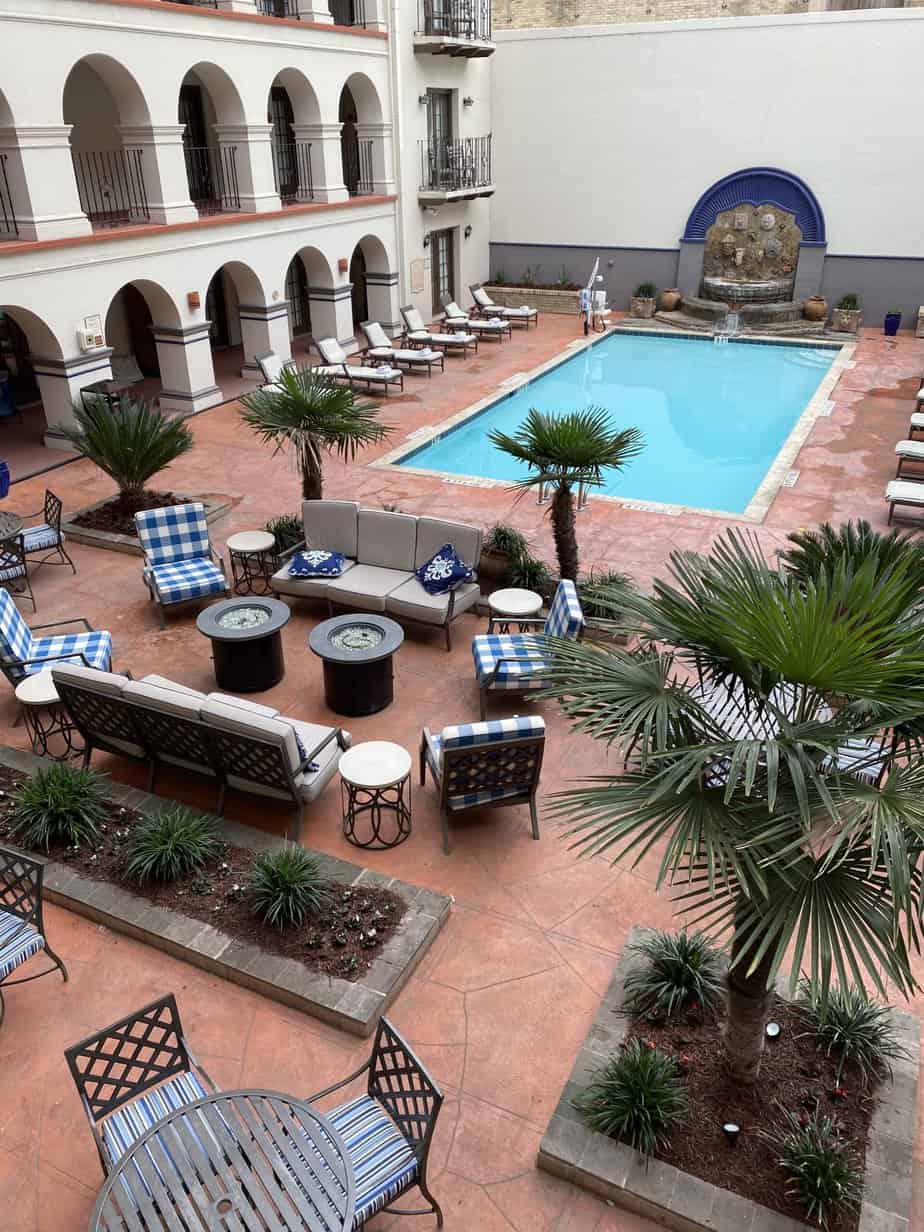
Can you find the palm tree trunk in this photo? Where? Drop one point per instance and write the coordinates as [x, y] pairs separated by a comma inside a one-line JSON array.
[[312, 481], [566, 547], [749, 1002]]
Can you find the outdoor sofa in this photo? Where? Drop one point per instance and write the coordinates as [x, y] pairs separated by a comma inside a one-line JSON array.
[[382, 552], [241, 744]]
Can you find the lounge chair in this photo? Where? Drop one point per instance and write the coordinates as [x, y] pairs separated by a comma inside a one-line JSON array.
[[492, 763], [380, 348], [916, 424], [456, 319], [22, 928], [909, 451], [45, 539], [486, 307], [14, 573], [22, 654], [272, 367], [179, 563], [336, 364], [904, 492], [416, 333]]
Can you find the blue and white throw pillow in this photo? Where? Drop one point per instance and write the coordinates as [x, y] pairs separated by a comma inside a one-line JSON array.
[[444, 571], [316, 563]]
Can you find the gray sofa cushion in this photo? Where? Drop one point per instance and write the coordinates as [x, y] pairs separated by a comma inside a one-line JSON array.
[[244, 703], [412, 600], [432, 533], [243, 722], [163, 683], [331, 524], [303, 587], [388, 540], [107, 684], [366, 586], [152, 697]]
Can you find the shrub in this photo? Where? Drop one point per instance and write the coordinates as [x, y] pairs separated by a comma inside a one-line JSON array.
[[824, 1169], [681, 971], [59, 804], [849, 302], [129, 446], [603, 593], [287, 886], [636, 1096], [646, 290], [287, 530], [167, 845], [506, 540], [852, 546], [854, 1029], [531, 275], [500, 278], [530, 573]]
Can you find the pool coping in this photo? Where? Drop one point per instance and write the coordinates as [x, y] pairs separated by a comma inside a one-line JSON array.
[[818, 406]]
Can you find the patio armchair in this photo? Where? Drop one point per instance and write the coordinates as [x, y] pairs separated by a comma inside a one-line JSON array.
[[517, 662], [336, 365], [380, 348], [417, 334], [388, 1130], [45, 539], [485, 306], [14, 572], [179, 563], [272, 367], [22, 653], [22, 927], [493, 763], [490, 327], [132, 1074]]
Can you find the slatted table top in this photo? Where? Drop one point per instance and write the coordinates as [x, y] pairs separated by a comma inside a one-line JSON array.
[[235, 1161]]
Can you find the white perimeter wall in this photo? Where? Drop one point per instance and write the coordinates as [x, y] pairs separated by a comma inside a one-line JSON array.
[[607, 135]]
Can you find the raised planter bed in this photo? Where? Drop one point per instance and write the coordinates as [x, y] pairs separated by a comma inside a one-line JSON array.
[[114, 541], [536, 297], [679, 1200]]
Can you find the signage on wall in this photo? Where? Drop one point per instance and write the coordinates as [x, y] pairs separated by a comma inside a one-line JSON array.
[[418, 274]]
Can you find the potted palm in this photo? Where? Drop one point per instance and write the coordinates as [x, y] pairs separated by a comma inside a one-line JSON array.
[[503, 547], [845, 318], [644, 302], [312, 415], [892, 323]]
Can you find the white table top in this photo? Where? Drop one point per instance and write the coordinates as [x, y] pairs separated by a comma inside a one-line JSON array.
[[515, 602], [251, 541], [37, 690], [376, 763]]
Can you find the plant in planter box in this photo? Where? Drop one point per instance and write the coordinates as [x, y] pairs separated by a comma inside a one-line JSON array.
[[287, 530], [681, 972], [500, 278], [846, 316], [503, 547], [892, 322], [167, 845], [603, 599], [824, 1170], [287, 886], [529, 573], [644, 302], [854, 1029], [58, 804], [637, 1096]]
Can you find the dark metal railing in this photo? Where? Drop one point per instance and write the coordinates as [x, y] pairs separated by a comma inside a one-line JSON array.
[[348, 12], [212, 177], [110, 184], [357, 167], [278, 8], [469, 19], [198, 4], [448, 166], [9, 227], [292, 171]]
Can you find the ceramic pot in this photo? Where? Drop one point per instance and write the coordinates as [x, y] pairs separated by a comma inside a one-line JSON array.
[[891, 323], [815, 308], [670, 299]]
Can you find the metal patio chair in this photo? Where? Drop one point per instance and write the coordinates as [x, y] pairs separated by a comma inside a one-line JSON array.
[[14, 573], [22, 653], [180, 564], [22, 925], [46, 539]]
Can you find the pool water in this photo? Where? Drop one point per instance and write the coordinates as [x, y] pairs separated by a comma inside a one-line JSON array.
[[713, 417]]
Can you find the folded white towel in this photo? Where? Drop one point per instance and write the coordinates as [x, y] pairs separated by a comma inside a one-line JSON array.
[[495, 321]]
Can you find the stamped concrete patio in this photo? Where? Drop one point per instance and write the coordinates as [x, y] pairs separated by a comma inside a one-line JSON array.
[[502, 1002]]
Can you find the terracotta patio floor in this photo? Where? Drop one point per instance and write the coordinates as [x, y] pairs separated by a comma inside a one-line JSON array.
[[504, 998]]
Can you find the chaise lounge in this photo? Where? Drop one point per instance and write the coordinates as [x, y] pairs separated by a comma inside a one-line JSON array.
[[336, 365], [491, 327], [416, 332], [485, 306], [380, 348]]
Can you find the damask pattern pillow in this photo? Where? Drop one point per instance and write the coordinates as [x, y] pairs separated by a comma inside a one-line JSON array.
[[444, 571], [316, 563]]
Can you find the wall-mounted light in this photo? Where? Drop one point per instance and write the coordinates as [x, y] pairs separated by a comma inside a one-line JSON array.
[[468, 230], [424, 100], [468, 101], [343, 264], [193, 299], [426, 240]]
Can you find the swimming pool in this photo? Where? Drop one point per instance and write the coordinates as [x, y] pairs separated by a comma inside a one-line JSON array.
[[714, 417]]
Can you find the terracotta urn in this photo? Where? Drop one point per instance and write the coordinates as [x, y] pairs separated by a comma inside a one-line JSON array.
[[815, 308], [670, 299]]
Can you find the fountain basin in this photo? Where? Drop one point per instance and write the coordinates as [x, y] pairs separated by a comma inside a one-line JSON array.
[[731, 291]]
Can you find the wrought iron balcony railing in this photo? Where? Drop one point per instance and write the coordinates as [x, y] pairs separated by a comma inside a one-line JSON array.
[[452, 166], [357, 167], [463, 19], [212, 177], [292, 171], [9, 227], [110, 184], [348, 12], [278, 8]]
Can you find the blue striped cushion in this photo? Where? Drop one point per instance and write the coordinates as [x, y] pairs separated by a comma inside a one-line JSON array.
[[12, 574], [525, 669], [19, 941], [384, 1165], [38, 538], [125, 1126], [96, 646]]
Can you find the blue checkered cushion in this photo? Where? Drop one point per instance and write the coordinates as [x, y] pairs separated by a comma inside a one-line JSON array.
[[15, 634], [40, 538], [565, 618], [96, 646], [384, 1165], [179, 532], [187, 579], [122, 1129], [19, 941], [524, 664], [468, 735]]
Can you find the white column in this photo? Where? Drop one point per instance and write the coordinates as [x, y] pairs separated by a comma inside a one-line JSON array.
[[165, 180], [315, 10], [264, 328], [326, 160], [186, 371], [60, 382], [238, 6], [382, 298], [382, 176], [42, 183], [332, 314], [375, 13], [253, 161]]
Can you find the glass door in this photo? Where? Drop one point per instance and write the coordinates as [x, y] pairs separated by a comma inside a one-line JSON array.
[[441, 266]]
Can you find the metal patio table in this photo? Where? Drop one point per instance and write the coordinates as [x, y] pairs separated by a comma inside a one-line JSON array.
[[10, 524], [234, 1161]]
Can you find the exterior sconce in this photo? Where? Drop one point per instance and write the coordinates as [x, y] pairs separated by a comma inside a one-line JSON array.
[[468, 101], [468, 230], [343, 265], [426, 240], [424, 100], [193, 299]]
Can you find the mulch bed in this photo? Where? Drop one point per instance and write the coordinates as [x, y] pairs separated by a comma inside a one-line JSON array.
[[118, 515], [793, 1074], [343, 941]]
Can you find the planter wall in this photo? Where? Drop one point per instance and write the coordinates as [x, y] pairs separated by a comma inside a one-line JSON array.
[[546, 301]]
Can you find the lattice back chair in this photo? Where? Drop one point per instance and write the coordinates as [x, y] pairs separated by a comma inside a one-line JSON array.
[[388, 1130], [170, 738], [493, 763], [46, 539], [22, 924], [132, 1074], [14, 573], [179, 562]]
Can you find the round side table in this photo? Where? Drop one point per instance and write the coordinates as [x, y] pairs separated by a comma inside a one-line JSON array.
[[508, 606], [375, 786], [253, 561], [49, 725]]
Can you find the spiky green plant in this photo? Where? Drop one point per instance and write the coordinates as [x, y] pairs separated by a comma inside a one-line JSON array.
[[167, 845], [602, 593], [311, 414], [287, 886], [854, 1029], [529, 573], [824, 1170], [637, 1095], [561, 452], [681, 971], [129, 445], [59, 804], [506, 540], [853, 544], [287, 530]]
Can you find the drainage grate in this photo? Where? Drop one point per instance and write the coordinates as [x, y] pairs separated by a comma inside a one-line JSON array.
[[792, 478]]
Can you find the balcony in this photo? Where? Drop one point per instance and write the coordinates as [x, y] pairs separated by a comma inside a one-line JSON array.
[[212, 177], [111, 187], [454, 28], [348, 12], [357, 158], [278, 8], [455, 170], [292, 171], [9, 227]]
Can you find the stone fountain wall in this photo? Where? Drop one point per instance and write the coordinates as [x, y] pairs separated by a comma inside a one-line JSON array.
[[750, 255]]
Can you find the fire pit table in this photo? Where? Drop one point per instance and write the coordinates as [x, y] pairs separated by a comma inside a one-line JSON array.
[[246, 642], [356, 651]]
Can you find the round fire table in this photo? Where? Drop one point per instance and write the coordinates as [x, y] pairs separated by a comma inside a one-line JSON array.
[[246, 642], [356, 651]]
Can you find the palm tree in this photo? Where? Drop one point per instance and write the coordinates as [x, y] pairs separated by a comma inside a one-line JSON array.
[[736, 713], [309, 413], [564, 451]]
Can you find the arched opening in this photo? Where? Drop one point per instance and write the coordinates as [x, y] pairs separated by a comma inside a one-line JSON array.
[[134, 312], [10, 177], [100, 98], [292, 107], [23, 338], [208, 100], [296, 291], [359, 106], [374, 285], [310, 294], [358, 280], [233, 285]]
